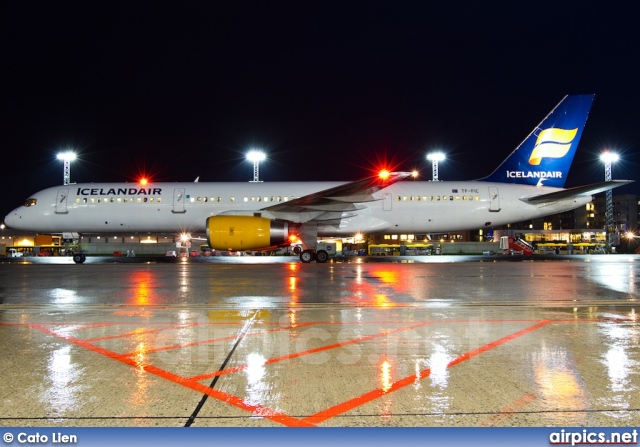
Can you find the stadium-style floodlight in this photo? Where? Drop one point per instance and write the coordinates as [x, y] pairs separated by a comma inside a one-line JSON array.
[[608, 158], [256, 157], [435, 157], [66, 157]]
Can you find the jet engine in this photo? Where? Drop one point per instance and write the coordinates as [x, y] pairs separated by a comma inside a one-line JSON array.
[[229, 232]]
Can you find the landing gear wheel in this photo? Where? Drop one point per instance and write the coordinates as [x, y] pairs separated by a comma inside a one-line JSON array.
[[79, 258], [322, 256], [307, 256], [297, 249]]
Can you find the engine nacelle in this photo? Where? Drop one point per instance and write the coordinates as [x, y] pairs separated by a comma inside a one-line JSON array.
[[245, 232]]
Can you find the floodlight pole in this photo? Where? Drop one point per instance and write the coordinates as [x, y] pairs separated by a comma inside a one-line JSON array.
[[608, 158], [67, 158], [435, 158], [256, 157]]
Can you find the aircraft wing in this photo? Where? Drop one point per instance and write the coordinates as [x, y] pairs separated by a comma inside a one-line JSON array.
[[568, 193], [334, 202]]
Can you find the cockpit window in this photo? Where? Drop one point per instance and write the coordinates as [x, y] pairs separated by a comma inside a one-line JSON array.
[[30, 202]]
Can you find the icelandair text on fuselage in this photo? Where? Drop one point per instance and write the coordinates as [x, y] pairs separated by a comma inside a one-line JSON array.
[[119, 191], [37, 438], [534, 174]]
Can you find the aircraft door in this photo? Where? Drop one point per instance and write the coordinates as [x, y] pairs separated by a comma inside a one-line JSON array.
[[494, 197], [178, 201], [386, 201], [61, 201]]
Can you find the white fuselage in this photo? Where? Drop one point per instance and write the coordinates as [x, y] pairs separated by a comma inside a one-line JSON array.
[[404, 207]]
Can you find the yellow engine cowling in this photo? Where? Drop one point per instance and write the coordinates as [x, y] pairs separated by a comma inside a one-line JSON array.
[[245, 232]]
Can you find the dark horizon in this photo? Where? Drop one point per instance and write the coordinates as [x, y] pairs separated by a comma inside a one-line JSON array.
[[327, 90]]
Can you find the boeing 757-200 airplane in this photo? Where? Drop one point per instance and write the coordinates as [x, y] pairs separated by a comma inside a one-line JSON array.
[[256, 215]]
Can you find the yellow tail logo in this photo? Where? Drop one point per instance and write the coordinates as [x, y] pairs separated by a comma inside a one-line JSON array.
[[552, 143]]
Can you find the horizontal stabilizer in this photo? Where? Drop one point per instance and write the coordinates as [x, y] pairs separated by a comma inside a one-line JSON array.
[[563, 194]]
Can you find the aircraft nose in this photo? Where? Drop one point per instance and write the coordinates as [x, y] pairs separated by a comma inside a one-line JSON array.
[[9, 219]]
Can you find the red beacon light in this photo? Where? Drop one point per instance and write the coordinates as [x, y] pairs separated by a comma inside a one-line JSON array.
[[384, 174], [144, 181]]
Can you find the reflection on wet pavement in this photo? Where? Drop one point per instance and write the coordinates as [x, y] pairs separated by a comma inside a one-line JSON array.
[[544, 344]]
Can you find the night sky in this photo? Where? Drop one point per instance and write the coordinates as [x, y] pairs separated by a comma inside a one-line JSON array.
[[179, 90]]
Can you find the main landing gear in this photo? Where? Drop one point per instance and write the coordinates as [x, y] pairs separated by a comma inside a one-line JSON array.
[[319, 256]]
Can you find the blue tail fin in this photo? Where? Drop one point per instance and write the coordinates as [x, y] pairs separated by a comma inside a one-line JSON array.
[[545, 156]]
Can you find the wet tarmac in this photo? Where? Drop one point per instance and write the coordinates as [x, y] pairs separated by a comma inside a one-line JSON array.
[[273, 342]]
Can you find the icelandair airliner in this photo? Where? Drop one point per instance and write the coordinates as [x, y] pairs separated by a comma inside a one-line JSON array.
[[256, 215]]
